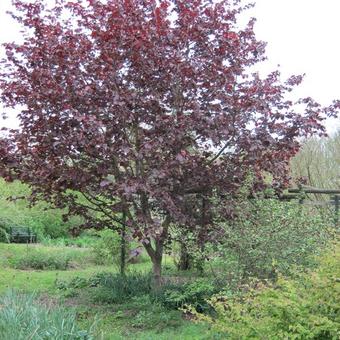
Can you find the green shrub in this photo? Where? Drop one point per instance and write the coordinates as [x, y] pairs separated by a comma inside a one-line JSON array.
[[114, 288], [307, 307], [187, 253], [22, 318], [196, 293], [71, 288], [270, 235]]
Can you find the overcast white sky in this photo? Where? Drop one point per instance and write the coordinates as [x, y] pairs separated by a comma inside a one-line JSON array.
[[303, 36]]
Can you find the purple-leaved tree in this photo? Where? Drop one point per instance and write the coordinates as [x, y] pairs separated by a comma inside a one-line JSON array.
[[133, 108]]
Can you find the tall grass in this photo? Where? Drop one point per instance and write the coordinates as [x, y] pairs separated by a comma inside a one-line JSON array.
[[27, 257], [23, 318]]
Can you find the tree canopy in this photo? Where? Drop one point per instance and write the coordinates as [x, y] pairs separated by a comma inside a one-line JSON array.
[[139, 107], [318, 162]]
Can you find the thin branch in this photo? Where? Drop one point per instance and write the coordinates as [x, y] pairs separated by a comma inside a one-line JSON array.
[[101, 209], [218, 154]]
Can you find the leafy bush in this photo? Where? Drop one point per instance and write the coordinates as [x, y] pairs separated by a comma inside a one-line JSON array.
[[270, 235], [22, 318], [307, 307], [76, 282], [187, 253], [195, 293]]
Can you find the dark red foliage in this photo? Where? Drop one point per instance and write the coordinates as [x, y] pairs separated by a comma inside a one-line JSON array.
[[136, 105]]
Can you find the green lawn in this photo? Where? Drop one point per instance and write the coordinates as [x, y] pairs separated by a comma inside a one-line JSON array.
[[42, 280]]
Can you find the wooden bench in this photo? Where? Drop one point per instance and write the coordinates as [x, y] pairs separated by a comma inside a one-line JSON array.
[[22, 235]]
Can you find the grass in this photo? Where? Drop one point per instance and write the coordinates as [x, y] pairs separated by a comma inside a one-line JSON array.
[[45, 280], [184, 330], [138, 318], [23, 317], [13, 254], [41, 281]]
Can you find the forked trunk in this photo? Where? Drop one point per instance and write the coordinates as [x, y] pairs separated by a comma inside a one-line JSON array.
[[156, 253], [156, 256]]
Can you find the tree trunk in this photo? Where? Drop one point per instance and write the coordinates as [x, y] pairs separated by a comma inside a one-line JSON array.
[[123, 247], [184, 258], [156, 256], [157, 271], [201, 237], [156, 253]]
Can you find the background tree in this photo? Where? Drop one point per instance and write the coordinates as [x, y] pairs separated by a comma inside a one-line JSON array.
[[318, 162], [127, 107]]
